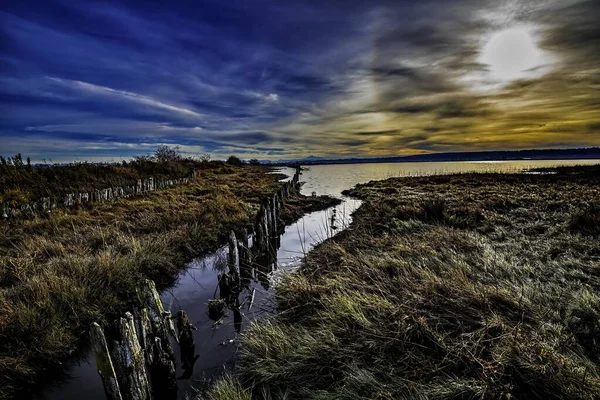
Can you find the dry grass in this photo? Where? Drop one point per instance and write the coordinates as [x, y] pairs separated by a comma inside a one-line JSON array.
[[60, 272], [449, 287], [23, 184]]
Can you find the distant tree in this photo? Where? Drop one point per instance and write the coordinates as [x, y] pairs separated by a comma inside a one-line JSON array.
[[29, 162], [233, 160], [166, 153], [205, 158], [254, 161]]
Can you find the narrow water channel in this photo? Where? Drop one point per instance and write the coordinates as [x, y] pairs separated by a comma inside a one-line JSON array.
[[218, 337]]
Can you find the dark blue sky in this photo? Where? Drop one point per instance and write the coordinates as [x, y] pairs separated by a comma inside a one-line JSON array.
[[273, 79]]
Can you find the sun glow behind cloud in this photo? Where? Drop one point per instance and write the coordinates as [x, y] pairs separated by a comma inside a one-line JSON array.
[[513, 54]]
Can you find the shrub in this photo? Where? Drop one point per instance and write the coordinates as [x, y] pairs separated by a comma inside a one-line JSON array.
[[233, 160], [165, 153]]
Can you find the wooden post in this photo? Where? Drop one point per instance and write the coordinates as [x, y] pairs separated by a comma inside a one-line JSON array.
[[234, 258], [162, 371], [275, 215], [159, 319], [104, 363], [144, 330], [130, 362], [245, 260]]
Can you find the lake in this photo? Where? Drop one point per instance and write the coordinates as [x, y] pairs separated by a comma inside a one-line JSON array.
[[217, 341]]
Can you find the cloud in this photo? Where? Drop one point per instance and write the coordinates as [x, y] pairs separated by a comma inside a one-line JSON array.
[[122, 94], [292, 78]]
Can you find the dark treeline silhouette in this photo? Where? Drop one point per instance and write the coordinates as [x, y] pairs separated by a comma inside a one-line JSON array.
[[533, 154]]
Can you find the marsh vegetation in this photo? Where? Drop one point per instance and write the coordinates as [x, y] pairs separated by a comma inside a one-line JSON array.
[[60, 271], [444, 287]]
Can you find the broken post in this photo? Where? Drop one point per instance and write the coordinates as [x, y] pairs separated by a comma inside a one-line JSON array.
[[234, 258], [129, 362], [104, 363]]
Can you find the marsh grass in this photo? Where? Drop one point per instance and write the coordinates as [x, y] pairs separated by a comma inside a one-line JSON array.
[[62, 271], [20, 184], [445, 287]]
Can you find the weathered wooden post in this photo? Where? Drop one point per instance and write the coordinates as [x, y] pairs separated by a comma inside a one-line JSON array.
[[244, 250], [160, 320], [257, 241], [275, 214], [104, 363], [245, 259], [129, 362], [162, 371], [234, 259]]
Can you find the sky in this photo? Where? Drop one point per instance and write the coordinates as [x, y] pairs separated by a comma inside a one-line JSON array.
[[273, 79]]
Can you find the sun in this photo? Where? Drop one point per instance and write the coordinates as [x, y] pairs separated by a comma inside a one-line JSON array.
[[512, 54]]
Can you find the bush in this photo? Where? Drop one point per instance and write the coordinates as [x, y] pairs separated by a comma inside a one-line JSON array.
[[233, 160], [165, 153]]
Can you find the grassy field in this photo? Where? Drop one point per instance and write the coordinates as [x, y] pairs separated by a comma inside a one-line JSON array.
[[21, 184], [60, 272], [446, 287]]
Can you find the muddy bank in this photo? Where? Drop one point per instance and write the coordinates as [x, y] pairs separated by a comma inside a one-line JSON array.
[[300, 205]]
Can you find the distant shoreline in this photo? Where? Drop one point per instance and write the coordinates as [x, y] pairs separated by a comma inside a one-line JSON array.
[[592, 153]]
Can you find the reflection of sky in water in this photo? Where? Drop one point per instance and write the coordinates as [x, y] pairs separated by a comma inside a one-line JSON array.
[[197, 285], [333, 179]]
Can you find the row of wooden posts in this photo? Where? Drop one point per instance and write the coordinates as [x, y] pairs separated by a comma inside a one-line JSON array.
[[139, 363], [48, 204]]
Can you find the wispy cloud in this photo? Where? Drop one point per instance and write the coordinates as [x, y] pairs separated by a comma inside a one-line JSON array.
[[134, 97]]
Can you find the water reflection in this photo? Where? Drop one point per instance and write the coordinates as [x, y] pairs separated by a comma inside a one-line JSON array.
[[221, 305]]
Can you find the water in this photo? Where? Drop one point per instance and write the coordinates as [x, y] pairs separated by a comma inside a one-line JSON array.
[[333, 179], [217, 344]]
